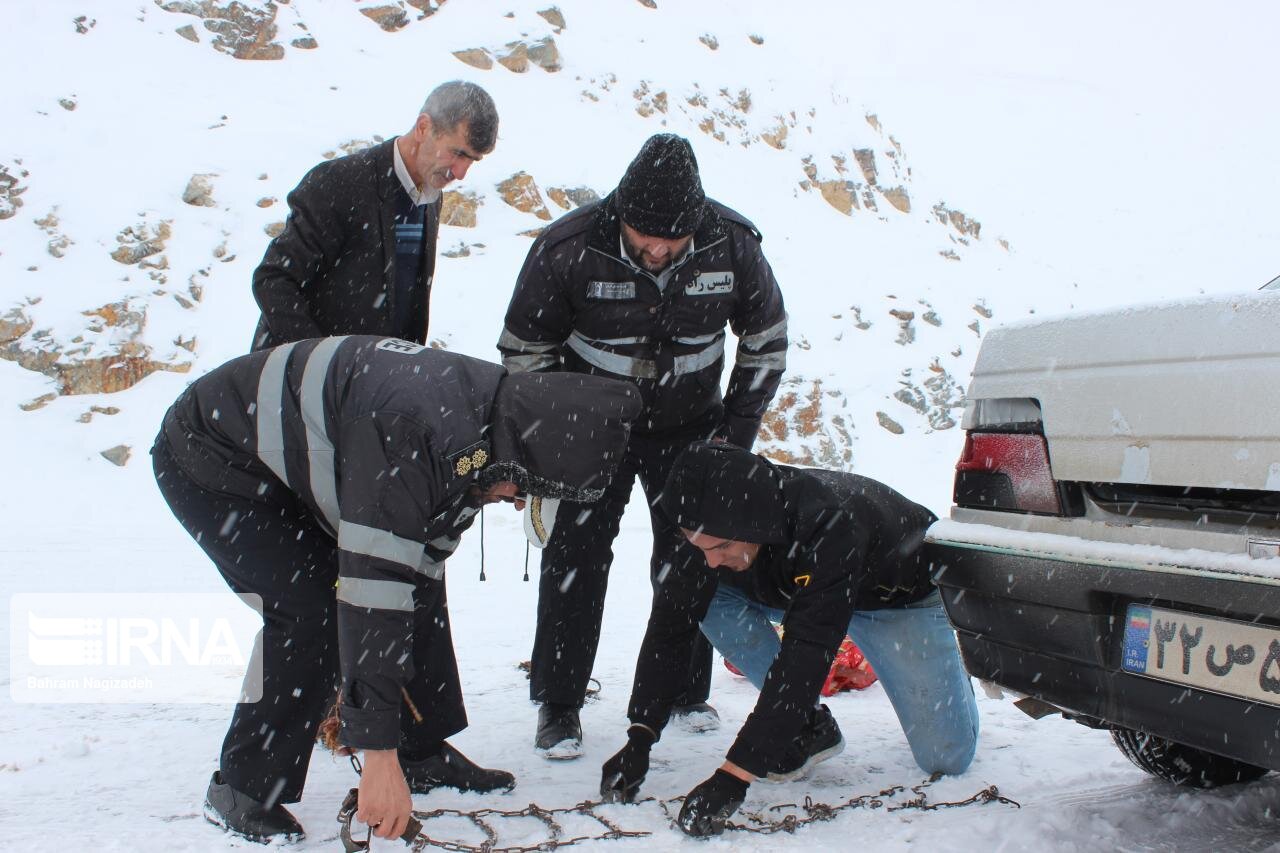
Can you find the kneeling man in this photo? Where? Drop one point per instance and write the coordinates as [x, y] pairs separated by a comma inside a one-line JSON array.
[[826, 553]]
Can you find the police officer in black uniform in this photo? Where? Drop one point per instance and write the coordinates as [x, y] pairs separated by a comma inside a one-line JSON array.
[[640, 286], [356, 463]]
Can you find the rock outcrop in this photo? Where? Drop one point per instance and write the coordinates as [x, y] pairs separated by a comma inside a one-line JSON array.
[[567, 197], [476, 57], [242, 30], [13, 325], [889, 423], [777, 137], [935, 399], [521, 192], [58, 242], [390, 18], [118, 455], [554, 17], [199, 191], [964, 225], [649, 102], [351, 146], [459, 209], [11, 189], [839, 192], [109, 356], [517, 56], [899, 198], [143, 245], [801, 427]]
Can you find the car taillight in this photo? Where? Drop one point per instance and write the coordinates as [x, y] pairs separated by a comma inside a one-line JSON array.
[[1008, 471]]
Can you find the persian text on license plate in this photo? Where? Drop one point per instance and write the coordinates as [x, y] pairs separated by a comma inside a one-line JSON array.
[[1236, 658]]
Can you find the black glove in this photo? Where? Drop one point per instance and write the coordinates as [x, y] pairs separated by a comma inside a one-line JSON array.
[[709, 805], [622, 774]]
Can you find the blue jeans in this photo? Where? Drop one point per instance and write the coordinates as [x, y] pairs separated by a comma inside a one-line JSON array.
[[912, 649]]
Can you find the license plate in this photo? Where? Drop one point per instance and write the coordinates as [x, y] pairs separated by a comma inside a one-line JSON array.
[[1236, 658]]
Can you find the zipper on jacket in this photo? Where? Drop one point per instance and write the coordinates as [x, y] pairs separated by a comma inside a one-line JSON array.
[[670, 291]]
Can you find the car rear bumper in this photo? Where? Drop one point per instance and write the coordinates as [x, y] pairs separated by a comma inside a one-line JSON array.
[[1054, 630]]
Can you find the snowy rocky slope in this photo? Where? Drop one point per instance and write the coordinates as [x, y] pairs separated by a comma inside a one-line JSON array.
[[919, 172], [135, 270], [147, 161]]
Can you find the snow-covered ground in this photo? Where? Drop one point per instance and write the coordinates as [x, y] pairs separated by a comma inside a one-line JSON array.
[[1124, 152], [132, 777]]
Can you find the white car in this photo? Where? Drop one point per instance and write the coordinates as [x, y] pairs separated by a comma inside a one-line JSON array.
[[1114, 548]]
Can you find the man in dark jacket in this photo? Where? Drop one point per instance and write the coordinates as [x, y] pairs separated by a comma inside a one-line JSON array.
[[825, 553], [358, 251], [357, 463], [640, 286]]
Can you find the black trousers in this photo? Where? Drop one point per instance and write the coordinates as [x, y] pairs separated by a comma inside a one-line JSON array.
[[272, 546], [575, 574]]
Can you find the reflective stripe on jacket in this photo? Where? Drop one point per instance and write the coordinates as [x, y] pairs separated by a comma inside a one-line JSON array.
[[369, 433], [579, 305]]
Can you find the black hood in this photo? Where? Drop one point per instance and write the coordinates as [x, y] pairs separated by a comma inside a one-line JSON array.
[[560, 435], [724, 491]]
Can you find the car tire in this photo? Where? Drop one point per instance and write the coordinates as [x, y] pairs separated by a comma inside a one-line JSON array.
[[1181, 764]]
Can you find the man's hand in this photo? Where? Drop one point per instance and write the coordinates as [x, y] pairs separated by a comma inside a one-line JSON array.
[[622, 774], [385, 804], [710, 804]]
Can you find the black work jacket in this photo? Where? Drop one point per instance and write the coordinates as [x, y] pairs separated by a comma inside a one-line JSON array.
[[332, 270], [387, 443], [580, 305], [854, 544]]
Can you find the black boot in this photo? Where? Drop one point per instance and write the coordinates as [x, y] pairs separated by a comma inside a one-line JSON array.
[[559, 735], [240, 814], [696, 717], [451, 769], [819, 740]]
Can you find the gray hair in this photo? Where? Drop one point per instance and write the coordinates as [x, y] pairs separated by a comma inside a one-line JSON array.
[[458, 101]]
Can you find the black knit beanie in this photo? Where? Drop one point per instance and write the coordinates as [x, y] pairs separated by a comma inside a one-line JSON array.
[[661, 193], [559, 435], [727, 492]]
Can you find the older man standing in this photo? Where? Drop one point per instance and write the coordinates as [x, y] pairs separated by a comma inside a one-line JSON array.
[[357, 254], [639, 286]]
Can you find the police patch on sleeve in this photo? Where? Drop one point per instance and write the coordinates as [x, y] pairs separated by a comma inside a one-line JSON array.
[[402, 347], [710, 283]]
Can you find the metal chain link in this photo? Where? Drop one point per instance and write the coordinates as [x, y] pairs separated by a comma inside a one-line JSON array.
[[547, 816], [759, 823], [815, 812]]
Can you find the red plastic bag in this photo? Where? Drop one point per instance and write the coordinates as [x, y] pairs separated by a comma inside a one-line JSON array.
[[849, 671]]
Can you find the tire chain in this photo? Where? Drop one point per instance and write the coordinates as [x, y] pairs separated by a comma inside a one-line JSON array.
[[756, 822], [816, 812], [547, 816]]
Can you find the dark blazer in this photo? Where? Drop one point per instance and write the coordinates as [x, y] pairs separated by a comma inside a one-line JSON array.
[[332, 270]]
